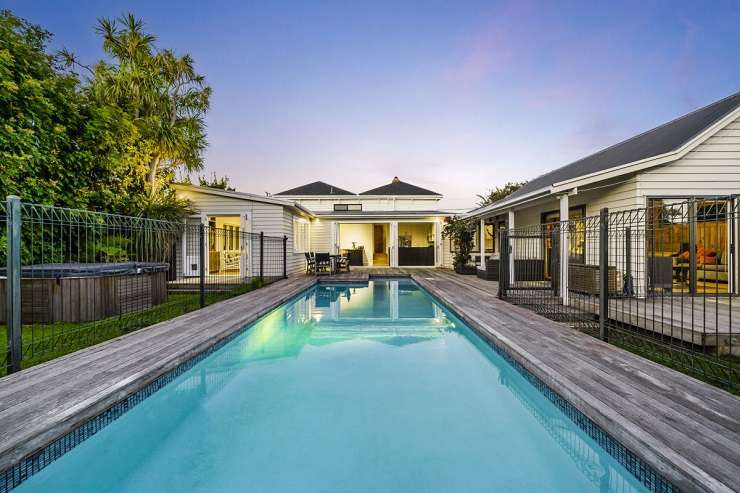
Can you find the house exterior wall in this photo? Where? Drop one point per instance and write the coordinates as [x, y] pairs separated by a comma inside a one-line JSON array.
[[273, 220], [712, 168]]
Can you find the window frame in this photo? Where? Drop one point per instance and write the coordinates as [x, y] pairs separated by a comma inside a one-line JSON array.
[[301, 235]]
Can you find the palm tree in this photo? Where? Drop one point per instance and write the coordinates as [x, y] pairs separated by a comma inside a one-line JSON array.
[[165, 95]]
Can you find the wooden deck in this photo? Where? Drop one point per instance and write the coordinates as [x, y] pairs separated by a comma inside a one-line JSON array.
[[687, 430], [708, 321]]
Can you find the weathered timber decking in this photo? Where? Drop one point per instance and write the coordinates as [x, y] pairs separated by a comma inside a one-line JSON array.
[[687, 430], [47, 401], [708, 321]]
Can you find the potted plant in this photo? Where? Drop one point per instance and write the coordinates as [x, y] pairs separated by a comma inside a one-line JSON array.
[[461, 232]]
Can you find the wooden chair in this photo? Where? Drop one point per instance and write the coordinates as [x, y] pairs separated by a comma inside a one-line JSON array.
[[310, 263], [323, 263], [342, 264]]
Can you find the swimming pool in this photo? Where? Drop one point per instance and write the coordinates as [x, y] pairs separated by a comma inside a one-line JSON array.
[[372, 387]]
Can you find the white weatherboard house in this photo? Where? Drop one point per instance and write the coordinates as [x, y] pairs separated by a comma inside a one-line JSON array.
[[398, 224], [696, 156]]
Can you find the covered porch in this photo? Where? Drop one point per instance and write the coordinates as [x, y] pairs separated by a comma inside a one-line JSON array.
[[389, 243]]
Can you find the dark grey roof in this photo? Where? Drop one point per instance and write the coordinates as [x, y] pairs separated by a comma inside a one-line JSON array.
[[660, 140], [316, 188], [398, 187]]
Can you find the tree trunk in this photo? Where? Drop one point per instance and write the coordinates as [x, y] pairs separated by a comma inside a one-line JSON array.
[[153, 168]]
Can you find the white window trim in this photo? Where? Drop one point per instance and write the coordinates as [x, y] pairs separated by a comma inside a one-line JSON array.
[[301, 235]]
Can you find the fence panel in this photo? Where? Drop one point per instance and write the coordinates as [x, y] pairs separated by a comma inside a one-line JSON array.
[[665, 277], [88, 276]]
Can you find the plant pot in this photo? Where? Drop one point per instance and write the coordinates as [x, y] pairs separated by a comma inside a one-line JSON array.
[[467, 270]]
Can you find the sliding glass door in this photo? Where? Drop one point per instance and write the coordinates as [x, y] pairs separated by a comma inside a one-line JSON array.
[[689, 245]]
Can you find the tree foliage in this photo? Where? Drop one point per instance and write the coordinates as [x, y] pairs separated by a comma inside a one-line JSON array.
[[461, 232], [498, 193], [108, 135], [214, 181], [55, 147], [165, 96]]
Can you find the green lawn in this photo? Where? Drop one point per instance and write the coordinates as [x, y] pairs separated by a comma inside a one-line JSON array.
[[46, 342], [720, 371]]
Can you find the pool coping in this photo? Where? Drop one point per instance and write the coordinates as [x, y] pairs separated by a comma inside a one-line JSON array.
[[50, 444]]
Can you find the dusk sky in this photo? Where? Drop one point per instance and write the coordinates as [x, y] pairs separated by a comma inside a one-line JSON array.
[[457, 97]]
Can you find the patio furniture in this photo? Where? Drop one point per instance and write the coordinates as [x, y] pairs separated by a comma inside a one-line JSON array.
[[323, 264], [355, 256], [660, 273], [490, 273], [230, 259], [584, 278], [310, 263], [341, 263]]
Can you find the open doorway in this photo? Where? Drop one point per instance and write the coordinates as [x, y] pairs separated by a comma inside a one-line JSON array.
[[364, 243], [380, 245]]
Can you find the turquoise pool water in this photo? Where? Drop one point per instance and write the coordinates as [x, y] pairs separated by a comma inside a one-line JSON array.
[[347, 388]]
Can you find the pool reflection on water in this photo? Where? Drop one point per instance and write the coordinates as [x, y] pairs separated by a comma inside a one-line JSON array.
[[370, 387]]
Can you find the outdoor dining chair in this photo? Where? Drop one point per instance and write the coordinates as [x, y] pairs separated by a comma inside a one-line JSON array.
[[310, 263], [323, 263]]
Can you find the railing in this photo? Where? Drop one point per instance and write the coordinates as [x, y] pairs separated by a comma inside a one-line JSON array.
[[73, 278], [660, 281]]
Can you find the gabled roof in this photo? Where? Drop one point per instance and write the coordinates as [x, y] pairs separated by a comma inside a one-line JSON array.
[[659, 140], [398, 187], [187, 187], [316, 188]]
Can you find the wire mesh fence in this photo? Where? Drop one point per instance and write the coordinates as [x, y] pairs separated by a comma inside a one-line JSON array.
[[74, 278], [660, 281]]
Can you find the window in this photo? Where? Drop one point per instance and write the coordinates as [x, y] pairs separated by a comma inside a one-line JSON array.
[[301, 239], [212, 234], [347, 207]]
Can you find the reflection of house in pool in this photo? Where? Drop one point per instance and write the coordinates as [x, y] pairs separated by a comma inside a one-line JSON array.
[[339, 314], [392, 312]]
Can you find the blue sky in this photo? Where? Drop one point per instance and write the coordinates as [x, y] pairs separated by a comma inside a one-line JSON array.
[[454, 96]]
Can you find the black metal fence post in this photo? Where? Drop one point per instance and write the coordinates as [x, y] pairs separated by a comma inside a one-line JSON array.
[[692, 246], [604, 274], [285, 257], [262, 256], [13, 283], [503, 268], [202, 263]]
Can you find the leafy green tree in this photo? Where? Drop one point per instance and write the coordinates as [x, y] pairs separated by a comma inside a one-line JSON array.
[[498, 193], [214, 181], [162, 93], [56, 147]]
